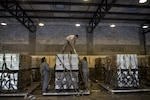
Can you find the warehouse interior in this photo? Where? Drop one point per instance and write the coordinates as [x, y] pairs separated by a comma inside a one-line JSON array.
[[114, 36]]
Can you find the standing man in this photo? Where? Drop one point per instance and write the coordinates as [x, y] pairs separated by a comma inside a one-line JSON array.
[[71, 41], [85, 70], [45, 74]]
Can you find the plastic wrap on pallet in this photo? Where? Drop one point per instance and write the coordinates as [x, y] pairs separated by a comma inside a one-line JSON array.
[[14, 71], [66, 79], [126, 61], [69, 61], [15, 61]]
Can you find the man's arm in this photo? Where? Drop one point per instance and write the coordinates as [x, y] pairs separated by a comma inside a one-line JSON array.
[[72, 42]]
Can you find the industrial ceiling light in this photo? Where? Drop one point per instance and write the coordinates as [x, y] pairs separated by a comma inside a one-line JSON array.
[[3, 23], [142, 1], [85, 0], [41, 24], [112, 25], [77, 25], [145, 26]]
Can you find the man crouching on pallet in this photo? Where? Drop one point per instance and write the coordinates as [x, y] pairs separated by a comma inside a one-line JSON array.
[[71, 41]]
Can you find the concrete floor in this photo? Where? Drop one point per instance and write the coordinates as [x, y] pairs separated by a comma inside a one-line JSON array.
[[97, 93]]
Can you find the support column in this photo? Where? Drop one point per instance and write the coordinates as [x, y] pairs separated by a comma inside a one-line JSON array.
[[142, 42], [32, 42], [89, 41]]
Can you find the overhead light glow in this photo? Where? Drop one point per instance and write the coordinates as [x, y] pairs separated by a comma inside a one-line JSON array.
[[3, 24], [41, 24], [145, 26], [85, 0], [142, 1], [77, 25], [112, 25]]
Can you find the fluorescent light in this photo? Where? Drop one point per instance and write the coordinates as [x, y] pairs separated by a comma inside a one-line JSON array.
[[3, 24], [41, 24], [85, 0], [142, 1], [77, 25], [112, 25], [145, 26]]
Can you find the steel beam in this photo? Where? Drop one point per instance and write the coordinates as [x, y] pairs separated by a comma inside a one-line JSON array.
[[83, 18], [76, 11], [78, 4], [147, 30], [98, 16], [19, 13]]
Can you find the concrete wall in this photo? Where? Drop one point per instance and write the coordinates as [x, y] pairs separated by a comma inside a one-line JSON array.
[[14, 38], [49, 40], [121, 39], [147, 36]]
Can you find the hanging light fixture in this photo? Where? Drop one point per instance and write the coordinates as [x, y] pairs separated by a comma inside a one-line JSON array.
[[142, 1], [41, 24], [112, 25], [77, 25], [145, 26], [3, 23]]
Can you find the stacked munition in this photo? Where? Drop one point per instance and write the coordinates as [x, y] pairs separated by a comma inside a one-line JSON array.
[[128, 77], [66, 71], [14, 71], [122, 70]]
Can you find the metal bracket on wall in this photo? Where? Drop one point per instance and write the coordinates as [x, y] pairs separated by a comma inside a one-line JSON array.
[[101, 11], [19, 13], [147, 30]]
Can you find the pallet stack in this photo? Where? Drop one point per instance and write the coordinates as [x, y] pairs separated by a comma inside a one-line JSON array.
[[35, 64], [122, 71], [99, 69], [14, 71], [66, 72], [144, 67]]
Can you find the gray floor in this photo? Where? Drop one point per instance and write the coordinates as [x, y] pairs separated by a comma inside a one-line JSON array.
[[97, 93]]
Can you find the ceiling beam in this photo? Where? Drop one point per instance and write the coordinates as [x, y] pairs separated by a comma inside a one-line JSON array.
[[98, 16], [78, 4], [126, 19], [56, 3], [53, 11], [83, 18], [21, 16], [76, 11], [51, 17], [131, 6]]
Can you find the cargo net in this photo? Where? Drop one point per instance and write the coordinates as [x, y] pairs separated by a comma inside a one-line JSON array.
[[122, 78], [66, 72], [8, 79], [122, 71], [66, 80], [126, 78]]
